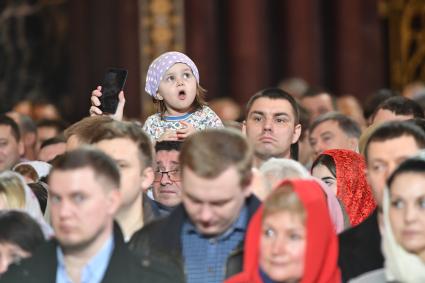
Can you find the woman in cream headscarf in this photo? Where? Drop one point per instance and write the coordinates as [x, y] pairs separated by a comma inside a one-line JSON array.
[[16, 195], [404, 226]]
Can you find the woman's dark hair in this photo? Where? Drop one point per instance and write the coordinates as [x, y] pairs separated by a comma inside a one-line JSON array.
[[40, 191], [20, 229], [414, 164], [327, 161]]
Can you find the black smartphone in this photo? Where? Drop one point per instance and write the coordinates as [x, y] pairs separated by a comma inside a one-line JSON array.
[[112, 84]]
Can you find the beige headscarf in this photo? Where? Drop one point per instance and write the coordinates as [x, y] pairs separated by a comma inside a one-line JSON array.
[[400, 265]]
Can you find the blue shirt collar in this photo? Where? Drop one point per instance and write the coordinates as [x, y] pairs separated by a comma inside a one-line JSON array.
[[239, 225], [177, 118], [94, 270]]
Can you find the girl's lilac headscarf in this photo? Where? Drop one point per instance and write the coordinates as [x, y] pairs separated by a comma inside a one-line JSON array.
[[161, 64]]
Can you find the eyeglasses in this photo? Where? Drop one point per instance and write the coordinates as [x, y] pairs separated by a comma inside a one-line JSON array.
[[173, 175]]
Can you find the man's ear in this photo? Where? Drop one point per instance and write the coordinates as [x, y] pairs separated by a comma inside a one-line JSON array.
[[147, 178], [114, 199], [21, 148], [297, 133], [354, 143], [244, 127]]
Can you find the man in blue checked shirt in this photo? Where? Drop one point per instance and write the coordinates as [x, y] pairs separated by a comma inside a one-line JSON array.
[[202, 239]]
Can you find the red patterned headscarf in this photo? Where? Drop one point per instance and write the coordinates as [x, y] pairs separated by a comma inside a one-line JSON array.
[[321, 254], [352, 187]]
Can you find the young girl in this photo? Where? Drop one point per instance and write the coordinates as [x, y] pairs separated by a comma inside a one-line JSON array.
[[173, 82]]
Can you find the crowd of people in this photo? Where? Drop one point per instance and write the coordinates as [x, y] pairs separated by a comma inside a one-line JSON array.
[[301, 186]]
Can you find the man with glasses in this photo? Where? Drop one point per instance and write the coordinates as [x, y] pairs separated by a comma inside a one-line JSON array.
[[202, 239], [167, 184]]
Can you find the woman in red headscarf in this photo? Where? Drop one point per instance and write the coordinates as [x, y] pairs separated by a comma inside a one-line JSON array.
[[291, 238], [344, 171]]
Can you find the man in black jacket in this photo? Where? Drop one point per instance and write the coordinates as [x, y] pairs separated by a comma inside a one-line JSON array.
[[389, 145], [202, 239], [89, 247]]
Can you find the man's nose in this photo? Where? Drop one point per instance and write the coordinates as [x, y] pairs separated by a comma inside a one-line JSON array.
[[205, 214], [165, 179], [267, 124]]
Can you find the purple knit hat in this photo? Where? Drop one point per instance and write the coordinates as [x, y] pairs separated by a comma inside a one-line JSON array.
[[161, 64]]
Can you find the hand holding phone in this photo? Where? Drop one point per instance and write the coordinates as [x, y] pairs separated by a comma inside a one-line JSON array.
[[113, 83]]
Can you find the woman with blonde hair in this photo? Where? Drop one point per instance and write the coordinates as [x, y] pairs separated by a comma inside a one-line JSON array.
[[16, 195]]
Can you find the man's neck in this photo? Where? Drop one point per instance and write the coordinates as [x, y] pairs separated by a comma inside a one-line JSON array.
[[130, 217], [76, 259]]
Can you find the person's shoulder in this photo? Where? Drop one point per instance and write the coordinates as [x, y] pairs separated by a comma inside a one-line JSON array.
[[153, 119], [158, 232], [207, 117], [135, 269], [375, 276], [361, 232], [37, 268]]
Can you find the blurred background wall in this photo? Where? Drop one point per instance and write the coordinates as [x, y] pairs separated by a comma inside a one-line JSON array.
[[60, 49]]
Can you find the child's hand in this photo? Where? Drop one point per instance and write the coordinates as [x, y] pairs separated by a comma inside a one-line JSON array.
[[95, 102], [186, 130], [168, 135]]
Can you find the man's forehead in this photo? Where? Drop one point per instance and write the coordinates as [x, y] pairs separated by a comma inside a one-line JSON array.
[[266, 105], [5, 130], [394, 148], [60, 178], [326, 126]]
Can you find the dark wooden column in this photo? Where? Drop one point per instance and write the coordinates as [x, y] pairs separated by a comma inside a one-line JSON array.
[[203, 42], [302, 33], [359, 53], [102, 34], [248, 48]]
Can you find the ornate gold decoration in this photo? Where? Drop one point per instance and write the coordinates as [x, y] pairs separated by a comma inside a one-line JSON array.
[[161, 29], [406, 30]]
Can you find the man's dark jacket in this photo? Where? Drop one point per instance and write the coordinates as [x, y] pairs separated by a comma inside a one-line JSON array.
[[360, 248], [122, 267], [160, 241]]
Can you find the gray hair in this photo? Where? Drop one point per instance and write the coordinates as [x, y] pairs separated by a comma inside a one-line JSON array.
[[276, 169], [350, 127]]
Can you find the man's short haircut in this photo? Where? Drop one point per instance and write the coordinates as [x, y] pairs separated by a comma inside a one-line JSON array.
[[20, 229], [400, 105], [7, 121], [126, 130], [168, 145], [376, 99], [275, 93], [84, 128], [210, 152], [103, 166], [52, 141], [350, 127], [59, 125], [304, 121], [395, 129], [313, 91]]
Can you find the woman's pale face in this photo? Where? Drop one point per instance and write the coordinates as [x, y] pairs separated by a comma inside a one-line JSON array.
[[323, 173], [282, 246], [407, 212], [10, 253]]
